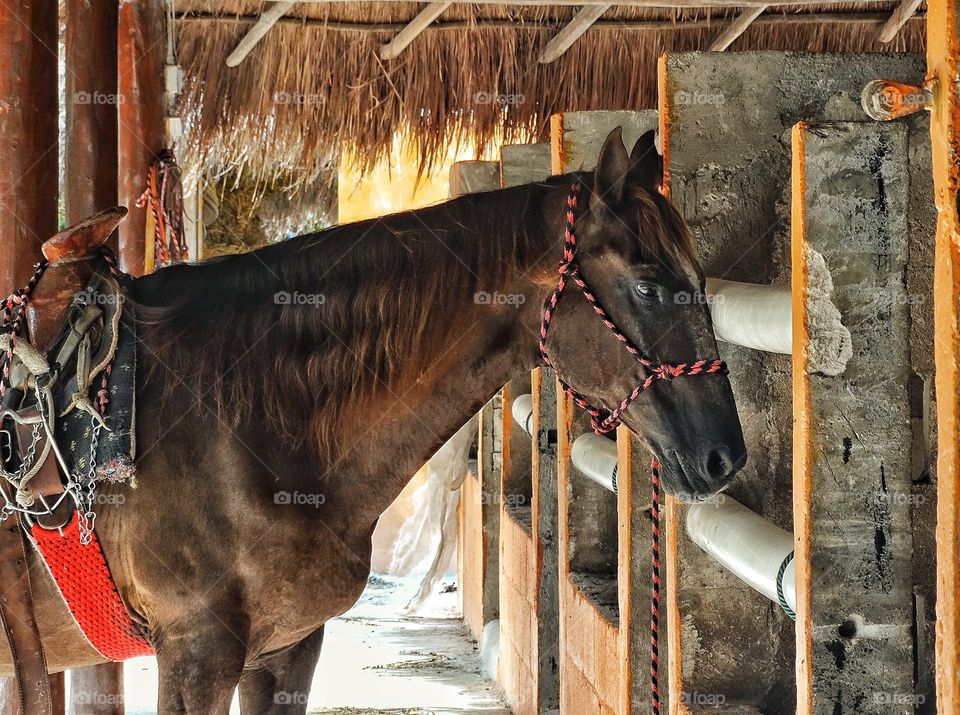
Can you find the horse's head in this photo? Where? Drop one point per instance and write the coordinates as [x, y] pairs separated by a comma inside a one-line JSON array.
[[633, 253]]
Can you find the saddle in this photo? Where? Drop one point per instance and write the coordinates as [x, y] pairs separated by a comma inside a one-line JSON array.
[[54, 340]]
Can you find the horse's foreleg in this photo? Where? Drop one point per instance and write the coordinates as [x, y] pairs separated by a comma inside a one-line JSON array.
[[279, 682], [200, 666]]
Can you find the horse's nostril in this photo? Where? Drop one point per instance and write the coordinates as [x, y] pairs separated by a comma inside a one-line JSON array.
[[719, 465]]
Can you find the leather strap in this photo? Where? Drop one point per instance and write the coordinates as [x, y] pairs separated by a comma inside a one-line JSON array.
[[20, 624], [47, 481]]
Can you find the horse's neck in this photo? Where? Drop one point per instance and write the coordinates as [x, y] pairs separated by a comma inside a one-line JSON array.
[[492, 344]]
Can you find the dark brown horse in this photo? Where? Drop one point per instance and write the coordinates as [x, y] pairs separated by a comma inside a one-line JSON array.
[[288, 395]]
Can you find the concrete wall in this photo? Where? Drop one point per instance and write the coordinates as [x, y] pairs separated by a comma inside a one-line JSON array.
[[853, 443], [726, 120]]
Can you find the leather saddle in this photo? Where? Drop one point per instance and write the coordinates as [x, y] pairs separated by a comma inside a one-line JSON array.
[[53, 328]]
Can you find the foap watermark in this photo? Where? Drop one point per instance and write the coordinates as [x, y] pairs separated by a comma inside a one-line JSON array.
[[881, 697], [499, 98], [508, 500], [99, 700], [686, 298], [697, 699], [699, 99], [314, 499], [92, 297], [97, 98], [284, 697], [496, 298], [899, 499], [297, 298], [298, 98]]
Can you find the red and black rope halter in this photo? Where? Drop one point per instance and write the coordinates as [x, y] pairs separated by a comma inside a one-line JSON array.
[[603, 420]]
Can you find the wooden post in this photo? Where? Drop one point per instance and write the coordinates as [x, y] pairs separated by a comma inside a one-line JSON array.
[[943, 47], [28, 136], [91, 185], [28, 173], [141, 56]]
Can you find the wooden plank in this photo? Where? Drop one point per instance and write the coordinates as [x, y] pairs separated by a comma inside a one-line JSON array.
[[802, 457], [943, 66], [412, 30], [736, 28], [670, 601], [573, 31], [904, 13], [262, 26], [634, 3]]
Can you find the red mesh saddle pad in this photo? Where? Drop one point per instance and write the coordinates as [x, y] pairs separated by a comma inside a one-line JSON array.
[[84, 580]]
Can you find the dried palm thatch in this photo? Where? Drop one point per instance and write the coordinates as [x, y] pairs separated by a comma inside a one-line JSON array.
[[315, 84]]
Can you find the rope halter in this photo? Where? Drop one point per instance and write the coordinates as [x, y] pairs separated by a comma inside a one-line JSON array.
[[603, 420]]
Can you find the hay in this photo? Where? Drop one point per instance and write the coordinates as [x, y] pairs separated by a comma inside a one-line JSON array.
[[306, 93], [251, 215]]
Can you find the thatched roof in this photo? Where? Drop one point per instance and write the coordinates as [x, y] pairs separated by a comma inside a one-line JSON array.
[[315, 84]]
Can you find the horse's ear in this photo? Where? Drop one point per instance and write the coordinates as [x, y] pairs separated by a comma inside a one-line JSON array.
[[646, 164], [610, 177]]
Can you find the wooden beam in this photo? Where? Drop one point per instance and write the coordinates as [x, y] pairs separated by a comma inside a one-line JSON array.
[[943, 70], [28, 137], [898, 19], [838, 18], [412, 30], [736, 28], [628, 3], [90, 185], [90, 46], [142, 134], [563, 40], [266, 20]]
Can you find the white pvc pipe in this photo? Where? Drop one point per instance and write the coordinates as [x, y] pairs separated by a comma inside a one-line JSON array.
[[596, 458], [754, 316], [522, 410], [751, 547]]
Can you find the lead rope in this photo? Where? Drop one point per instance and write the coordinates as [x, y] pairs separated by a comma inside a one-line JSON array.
[[655, 587]]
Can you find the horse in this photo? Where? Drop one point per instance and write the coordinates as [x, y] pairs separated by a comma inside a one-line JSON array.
[[286, 396]]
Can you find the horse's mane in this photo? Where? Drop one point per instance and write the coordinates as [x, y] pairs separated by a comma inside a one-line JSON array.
[[382, 295]]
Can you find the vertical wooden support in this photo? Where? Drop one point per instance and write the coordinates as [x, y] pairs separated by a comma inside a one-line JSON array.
[[142, 135], [671, 677], [28, 137], [91, 185], [28, 174], [90, 154], [943, 66], [852, 434]]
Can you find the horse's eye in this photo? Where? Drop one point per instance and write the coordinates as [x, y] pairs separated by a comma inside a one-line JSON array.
[[647, 291]]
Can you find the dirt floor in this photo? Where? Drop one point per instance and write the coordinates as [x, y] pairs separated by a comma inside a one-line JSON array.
[[378, 661]]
